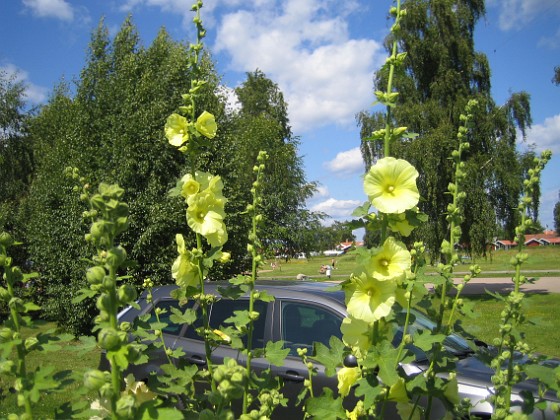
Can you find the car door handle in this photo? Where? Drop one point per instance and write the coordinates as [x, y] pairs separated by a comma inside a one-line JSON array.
[[292, 375], [196, 360]]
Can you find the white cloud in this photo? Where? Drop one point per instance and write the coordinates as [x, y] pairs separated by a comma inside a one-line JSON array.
[[59, 9], [33, 94], [337, 209], [349, 162], [321, 192], [546, 135], [514, 14], [550, 42], [304, 46]]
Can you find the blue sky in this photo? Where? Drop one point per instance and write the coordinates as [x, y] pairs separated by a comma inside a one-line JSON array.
[[322, 54]]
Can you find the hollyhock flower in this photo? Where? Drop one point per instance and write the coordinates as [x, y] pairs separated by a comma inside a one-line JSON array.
[[177, 130], [139, 389], [391, 185], [356, 333], [190, 186], [369, 299], [397, 392], [205, 216], [346, 378], [206, 125], [391, 261], [184, 270]]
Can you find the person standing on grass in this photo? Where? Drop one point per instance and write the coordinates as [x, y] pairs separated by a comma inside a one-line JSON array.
[[328, 271]]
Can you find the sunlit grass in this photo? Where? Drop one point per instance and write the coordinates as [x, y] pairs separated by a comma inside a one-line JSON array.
[[65, 359], [495, 265], [542, 309]]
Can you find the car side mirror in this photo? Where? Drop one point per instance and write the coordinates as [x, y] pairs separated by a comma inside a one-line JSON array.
[[350, 361]]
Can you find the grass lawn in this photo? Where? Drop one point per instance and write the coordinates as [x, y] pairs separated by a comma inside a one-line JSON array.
[[67, 358], [542, 309], [496, 265]]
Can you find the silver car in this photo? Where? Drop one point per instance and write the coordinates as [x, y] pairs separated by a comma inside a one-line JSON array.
[[302, 314]]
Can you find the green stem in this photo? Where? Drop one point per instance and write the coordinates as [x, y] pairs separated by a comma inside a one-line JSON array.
[[388, 130]]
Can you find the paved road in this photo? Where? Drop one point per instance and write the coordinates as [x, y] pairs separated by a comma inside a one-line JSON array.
[[505, 285]]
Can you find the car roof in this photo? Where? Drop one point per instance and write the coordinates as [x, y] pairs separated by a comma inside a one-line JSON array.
[[295, 289]]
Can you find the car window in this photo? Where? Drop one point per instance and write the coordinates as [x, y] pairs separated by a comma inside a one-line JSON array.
[[225, 308], [304, 323], [166, 305]]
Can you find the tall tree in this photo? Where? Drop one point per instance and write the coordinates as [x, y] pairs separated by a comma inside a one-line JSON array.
[[16, 157], [262, 124], [441, 72], [112, 130]]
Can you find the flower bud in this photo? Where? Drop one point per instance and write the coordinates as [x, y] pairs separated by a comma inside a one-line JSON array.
[[109, 339], [116, 256], [31, 343], [6, 240], [94, 379], [6, 335], [126, 294], [4, 294], [94, 275]]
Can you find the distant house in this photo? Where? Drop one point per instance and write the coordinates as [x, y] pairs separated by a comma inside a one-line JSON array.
[[504, 244], [547, 238]]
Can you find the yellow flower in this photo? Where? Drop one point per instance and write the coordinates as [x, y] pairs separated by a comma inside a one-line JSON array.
[[184, 270], [205, 215], [346, 378], [139, 389], [206, 125], [177, 130], [369, 299], [391, 185], [391, 261], [190, 186], [397, 392], [356, 334], [358, 411]]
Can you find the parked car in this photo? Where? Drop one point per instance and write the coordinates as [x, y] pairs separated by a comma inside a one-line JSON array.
[[301, 314]]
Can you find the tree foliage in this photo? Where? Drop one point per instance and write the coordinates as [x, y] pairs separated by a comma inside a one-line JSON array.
[[441, 72], [262, 124], [112, 130]]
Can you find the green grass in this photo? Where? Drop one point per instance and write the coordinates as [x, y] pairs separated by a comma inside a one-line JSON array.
[[67, 358], [542, 309], [495, 265]]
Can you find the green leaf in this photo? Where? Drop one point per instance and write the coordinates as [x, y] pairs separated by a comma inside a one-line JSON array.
[[362, 210], [544, 374], [275, 352], [424, 340], [239, 318], [265, 296], [84, 294], [178, 317], [331, 357], [384, 358], [368, 388], [326, 406], [30, 306]]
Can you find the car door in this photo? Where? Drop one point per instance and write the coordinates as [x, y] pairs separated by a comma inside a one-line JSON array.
[[299, 324]]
